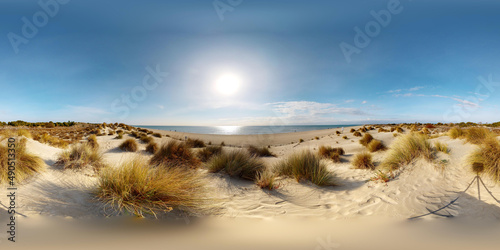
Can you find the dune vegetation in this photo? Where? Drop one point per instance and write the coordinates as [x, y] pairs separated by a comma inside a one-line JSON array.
[[488, 155], [407, 148], [305, 166], [363, 160], [129, 145], [140, 189], [236, 163], [80, 156], [260, 152], [175, 153], [26, 164], [208, 152]]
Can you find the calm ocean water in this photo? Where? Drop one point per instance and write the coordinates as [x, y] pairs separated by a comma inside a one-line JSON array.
[[242, 130]]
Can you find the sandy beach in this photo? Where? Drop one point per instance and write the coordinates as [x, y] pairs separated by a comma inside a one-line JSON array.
[[297, 215]]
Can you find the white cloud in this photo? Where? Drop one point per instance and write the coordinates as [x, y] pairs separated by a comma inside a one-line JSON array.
[[160, 106], [349, 101], [364, 102], [311, 109], [416, 88]]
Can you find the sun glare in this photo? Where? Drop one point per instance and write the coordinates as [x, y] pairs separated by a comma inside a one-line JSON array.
[[228, 84]]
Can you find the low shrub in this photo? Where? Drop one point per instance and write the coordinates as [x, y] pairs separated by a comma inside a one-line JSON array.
[[363, 161]]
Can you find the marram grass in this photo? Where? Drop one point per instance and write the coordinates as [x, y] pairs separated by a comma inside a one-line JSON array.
[[236, 163], [139, 188], [488, 154], [306, 166], [407, 148], [26, 164]]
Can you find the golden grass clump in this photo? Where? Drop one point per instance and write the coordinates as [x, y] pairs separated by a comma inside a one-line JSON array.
[[207, 153], [375, 145], [399, 130], [335, 157], [357, 134], [455, 133], [488, 155], [80, 156], [306, 166], [367, 138], [141, 189], [53, 141], [260, 152], [129, 145], [407, 148], [476, 135], [26, 164], [195, 143], [267, 180], [345, 137], [237, 163], [25, 133], [441, 147], [177, 153], [157, 135], [92, 142], [326, 151], [363, 160], [146, 139], [152, 147]]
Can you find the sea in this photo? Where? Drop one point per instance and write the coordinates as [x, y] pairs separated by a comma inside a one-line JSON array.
[[243, 130]]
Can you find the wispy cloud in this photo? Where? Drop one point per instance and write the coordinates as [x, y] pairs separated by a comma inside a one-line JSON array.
[[349, 101], [416, 88], [312, 109], [462, 102], [364, 102]]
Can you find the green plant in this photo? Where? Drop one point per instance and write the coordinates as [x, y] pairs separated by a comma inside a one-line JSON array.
[[237, 163], [363, 161], [140, 189], [26, 164], [307, 166], [129, 145], [407, 148]]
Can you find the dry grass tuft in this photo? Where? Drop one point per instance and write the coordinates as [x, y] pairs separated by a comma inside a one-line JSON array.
[[260, 152], [367, 138], [306, 166], [363, 161], [177, 153], [80, 156], [129, 145], [195, 143], [157, 135], [140, 189], [92, 142], [357, 134], [326, 151], [407, 148], [476, 135], [25, 133], [375, 145], [488, 155], [207, 153], [237, 163], [26, 165], [455, 133], [441, 147], [152, 147], [53, 141], [267, 180]]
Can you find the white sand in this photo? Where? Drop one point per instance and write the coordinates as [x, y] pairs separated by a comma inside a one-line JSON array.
[[297, 215]]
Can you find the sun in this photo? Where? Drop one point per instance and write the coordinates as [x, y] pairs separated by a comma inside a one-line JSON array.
[[228, 84]]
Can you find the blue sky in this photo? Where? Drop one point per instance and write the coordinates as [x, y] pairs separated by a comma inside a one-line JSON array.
[[91, 61]]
